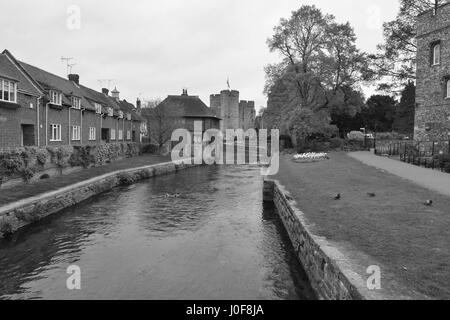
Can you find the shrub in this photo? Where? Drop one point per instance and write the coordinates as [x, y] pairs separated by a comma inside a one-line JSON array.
[[356, 136], [28, 173], [150, 148], [82, 157], [336, 143], [41, 157]]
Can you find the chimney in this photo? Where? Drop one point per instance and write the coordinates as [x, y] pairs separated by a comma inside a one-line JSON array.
[[115, 94], [74, 78], [185, 92], [105, 91], [138, 105]]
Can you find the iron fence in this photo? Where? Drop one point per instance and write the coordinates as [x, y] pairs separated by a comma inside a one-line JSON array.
[[420, 153]]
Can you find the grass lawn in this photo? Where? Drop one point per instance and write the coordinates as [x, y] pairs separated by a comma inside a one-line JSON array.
[[395, 230], [29, 190]]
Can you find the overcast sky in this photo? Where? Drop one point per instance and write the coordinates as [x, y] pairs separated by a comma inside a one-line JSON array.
[[154, 48]]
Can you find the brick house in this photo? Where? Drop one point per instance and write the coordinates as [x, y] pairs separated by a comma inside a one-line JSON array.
[[39, 108], [432, 114]]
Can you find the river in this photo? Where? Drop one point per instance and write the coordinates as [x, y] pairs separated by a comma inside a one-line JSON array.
[[216, 240]]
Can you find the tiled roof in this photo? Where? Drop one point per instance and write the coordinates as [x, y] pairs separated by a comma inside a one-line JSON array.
[[51, 81], [10, 71], [188, 106], [42, 80]]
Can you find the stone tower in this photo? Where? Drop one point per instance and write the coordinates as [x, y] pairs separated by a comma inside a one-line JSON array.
[[247, 115], [226, 107], [235, 114], [432, 116]]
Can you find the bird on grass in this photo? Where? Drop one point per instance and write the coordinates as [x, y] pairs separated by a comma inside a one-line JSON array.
[[337, 197], [371, 194], [428, 203]]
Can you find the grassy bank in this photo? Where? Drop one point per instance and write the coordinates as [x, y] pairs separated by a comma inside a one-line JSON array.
[[394, 229], [29, 190]]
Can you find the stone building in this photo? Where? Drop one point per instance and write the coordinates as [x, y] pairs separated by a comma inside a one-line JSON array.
[[38, 108], [432, 114], [235, 114]]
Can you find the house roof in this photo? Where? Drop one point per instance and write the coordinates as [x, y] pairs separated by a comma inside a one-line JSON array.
[[188, 106], [36, 81], [51, 81], [10, 71]]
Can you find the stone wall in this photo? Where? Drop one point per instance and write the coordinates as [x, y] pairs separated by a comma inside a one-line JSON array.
[[19, 214], [328, 272], [432, 114]]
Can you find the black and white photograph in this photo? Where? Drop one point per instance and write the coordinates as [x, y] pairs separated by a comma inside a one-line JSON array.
[[228, 158]]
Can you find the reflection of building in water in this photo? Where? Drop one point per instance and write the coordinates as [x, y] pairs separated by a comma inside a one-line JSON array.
[[235, 114]]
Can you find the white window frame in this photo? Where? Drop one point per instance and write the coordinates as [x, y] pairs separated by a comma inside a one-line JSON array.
[[113, 134], [110, 112], [76, 133], [120, 134], [76, 103], [92, 134], [120, 114], [12, 89], [55, 98], [128, 134], [129, 116], [55, 131], [437, 54], [98, 108]]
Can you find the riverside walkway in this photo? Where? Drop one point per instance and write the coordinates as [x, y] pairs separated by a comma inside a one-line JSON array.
[[430, 179]]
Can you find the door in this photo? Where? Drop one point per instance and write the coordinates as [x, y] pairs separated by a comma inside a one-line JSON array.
[[27, 135]]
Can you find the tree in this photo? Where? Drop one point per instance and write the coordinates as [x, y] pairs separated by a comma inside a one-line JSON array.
[[395, 61], [161, 122], [346, 110], [379, 114], [321, 68], [405, 110]]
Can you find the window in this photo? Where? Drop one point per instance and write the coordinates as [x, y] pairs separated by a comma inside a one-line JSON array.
[[98, 108], [129, 116], [76, 103], [111, 112], [8, 91], [92, 133], [436, 54], [76, 133], [128, 135], [56, 98], [113, 134], [120, 114], [447, 87], [120, 135], [55, 131]]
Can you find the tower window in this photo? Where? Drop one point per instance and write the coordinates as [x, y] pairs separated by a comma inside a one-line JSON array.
[[436, 54], [447, 86]]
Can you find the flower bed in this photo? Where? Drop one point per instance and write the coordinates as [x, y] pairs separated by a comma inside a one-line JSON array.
[[310, 157]]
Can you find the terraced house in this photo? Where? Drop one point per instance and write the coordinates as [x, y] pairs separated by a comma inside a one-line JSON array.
[[38, 108]]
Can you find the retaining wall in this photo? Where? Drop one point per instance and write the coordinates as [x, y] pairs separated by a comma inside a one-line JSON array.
[[19, 214], [328, 271]]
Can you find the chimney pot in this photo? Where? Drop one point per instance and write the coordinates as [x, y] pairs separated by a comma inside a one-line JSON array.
[[74, 78], [105, 91]]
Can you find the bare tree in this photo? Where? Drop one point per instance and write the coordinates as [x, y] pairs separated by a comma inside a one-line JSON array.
[[162, 120]]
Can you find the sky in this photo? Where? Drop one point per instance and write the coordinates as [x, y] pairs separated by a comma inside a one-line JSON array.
[[154, 48]]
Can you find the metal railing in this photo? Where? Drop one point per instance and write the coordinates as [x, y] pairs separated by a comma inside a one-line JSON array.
[[420, 153]]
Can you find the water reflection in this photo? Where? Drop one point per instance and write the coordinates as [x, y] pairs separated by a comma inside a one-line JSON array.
[[214, 241]]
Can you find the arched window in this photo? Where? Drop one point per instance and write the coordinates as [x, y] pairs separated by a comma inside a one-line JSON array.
[[436, 54]]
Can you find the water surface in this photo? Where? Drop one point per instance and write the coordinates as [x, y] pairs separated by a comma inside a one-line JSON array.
[[216, 241]]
